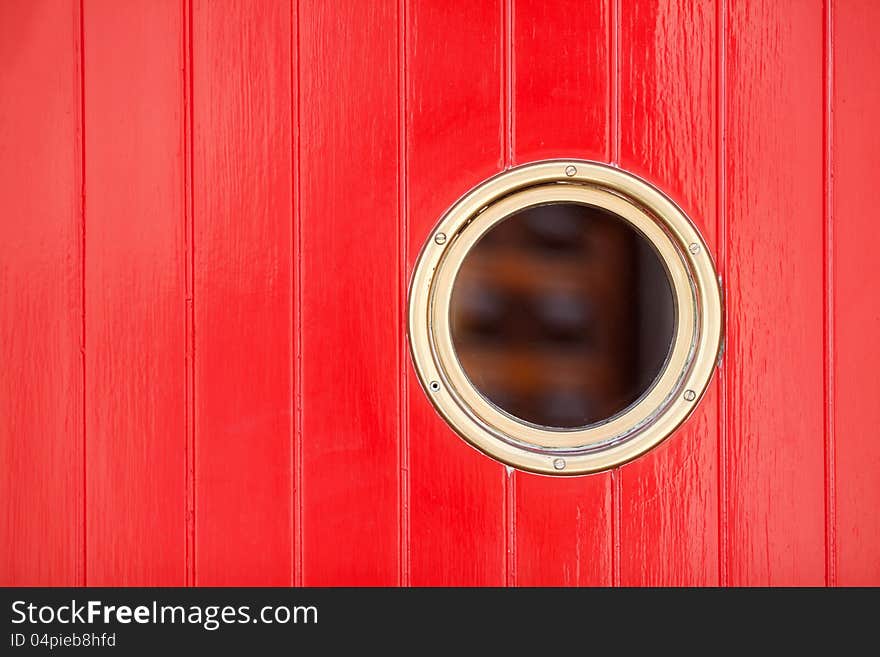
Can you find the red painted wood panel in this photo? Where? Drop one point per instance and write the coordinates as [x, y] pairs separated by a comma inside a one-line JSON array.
[[351, 331], [667, 133], [453, 106], [205, 375], [774, 292], [243, 292], [41, 391], [560, 79], [854, 307], [134, 293], [559, 85]]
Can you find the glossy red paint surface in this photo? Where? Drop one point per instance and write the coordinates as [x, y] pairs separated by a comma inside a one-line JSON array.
[[349, 263], [42, 538], [851, 293], [210, 216], [773, 240], [135, 288], [243, 292]]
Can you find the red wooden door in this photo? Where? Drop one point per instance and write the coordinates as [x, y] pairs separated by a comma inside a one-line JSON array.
[[210, 213]]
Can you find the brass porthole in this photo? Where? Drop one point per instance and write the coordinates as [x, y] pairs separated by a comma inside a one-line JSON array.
[[673, 384]]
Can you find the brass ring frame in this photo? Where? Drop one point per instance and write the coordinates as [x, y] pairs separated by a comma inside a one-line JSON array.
[[650, 419]]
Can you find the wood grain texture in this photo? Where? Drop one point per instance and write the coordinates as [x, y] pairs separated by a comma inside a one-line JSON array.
[[41, 393], [243, 292], [559, 81], [202, 201], [855, 308], [669, 497], [134, 293], [350, 289], [454, 80], [774, 292]]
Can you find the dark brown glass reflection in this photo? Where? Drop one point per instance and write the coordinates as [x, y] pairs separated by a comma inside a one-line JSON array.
[[563, 315]]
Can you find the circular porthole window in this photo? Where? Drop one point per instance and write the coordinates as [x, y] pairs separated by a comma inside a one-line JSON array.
[[564, 317]]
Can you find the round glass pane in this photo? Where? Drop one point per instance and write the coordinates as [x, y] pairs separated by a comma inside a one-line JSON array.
[[563, 315]]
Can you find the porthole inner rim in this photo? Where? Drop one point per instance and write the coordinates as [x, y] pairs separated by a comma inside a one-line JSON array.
[[666, 357], [515, 430]]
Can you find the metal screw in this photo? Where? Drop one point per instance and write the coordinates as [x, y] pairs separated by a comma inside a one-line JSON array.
[[694, 248], [434, 386], [690, 395], [440, 238], [570, 170], [559, 464]]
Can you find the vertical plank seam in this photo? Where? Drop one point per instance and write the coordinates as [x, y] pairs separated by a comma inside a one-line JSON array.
[[189, 266], [510, 508], [402, 240], [828, 227], [82, 575], [614, 158], [509, 73], [614, 83], [721, 231], [296, 448], [507, 56], [83, 538], [292, 320], [616, 497]]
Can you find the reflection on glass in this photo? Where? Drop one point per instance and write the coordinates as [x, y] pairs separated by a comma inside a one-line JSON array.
[[562, 315]]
